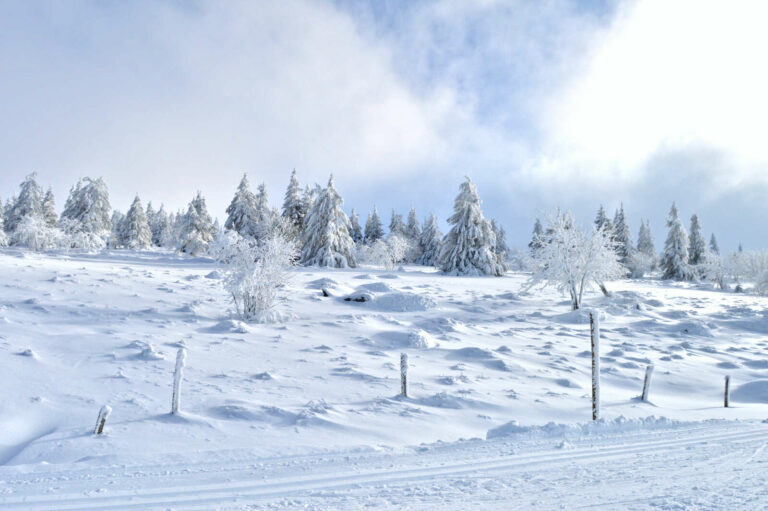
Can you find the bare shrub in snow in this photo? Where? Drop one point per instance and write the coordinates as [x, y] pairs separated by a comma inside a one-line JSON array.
[[387, 253], [256, 273], [717, 270], [573, 260]]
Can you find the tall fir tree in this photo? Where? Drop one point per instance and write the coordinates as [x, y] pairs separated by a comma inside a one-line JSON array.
[[355, 230], [242, 213], [468, 247], [29, 203], [3, 236], [374, 230], [412, 228], [87, 208], [263, 211], [430, 242], [396, 225], [500, 248], [713, 246], [645, 244], [160, 227], [537, 236], [135, 232], [8, 210], [674, 263], [293, 205], [326, 240], [697, 245], [195, 228], [49, 209], [622, 237], [603, 222]]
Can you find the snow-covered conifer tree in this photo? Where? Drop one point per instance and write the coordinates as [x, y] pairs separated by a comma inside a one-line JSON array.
[[697, 245], [467, 249], [293, 205], [196, 228], [500, 248], [374, 230], [536, 237], [86, 218], [136, 233], [28, 204], [674, 263], [3, 236], [355, 230], [116, 235], [713, 246], [326, 240], [430, 242], [622, 237], [263, 211], [242, 215], [49, 209], [412, 228], [647, 259], [158, 224], [603, 222], [396, 225], [7, 209]]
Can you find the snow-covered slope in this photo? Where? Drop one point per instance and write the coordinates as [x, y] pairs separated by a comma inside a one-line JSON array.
[[81, 331]]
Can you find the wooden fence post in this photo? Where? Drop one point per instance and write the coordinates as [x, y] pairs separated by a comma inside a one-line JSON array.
[[594, 327], [647, 383], [727, 398], [103, 414], [181, 357], [404, 374]]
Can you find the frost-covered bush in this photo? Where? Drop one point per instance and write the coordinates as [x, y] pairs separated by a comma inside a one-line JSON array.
[[716, 269], [639, 264], [35, 234], [574, 260], [256, 273], [388, 253]]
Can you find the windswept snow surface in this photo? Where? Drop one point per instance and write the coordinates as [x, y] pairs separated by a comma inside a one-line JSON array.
[[306, 413]]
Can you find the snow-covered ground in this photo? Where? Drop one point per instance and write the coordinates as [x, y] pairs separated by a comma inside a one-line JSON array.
[[307, 413]]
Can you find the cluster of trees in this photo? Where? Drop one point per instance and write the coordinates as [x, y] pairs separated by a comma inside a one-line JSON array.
[[312, 218]]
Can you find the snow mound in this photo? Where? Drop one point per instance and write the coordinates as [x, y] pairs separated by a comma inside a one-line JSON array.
[[28, 353], [398, 340], [382, 297], [150, 353], [376, 287], [577, 317], [599, 427], [751, 392], [229, 326], [421, 339], [215, 274], [484, 357], [697, 328], [446, 400]]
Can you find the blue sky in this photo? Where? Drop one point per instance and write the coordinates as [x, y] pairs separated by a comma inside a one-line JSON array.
[[544, 104]]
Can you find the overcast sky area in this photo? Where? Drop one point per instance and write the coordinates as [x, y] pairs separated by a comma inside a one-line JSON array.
[[543, 104]]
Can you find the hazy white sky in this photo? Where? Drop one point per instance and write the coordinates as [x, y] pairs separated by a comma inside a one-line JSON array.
[[543, 104]]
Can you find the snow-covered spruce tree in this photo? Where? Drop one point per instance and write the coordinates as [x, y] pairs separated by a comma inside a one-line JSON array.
[[28, 204], [713, 246], [7, 209], [195, 228], [603, 222], [151, 214], [355, 230], [3, 236], [159, 226], [263, 211], [467, 249], [86, 219], [374, 230], [293, 205], [536, 237], [242, 215], [500, 249], [49, 209], [396, 224], [413, 234], [136, 233], [674, 263], [697, 245], [430, 242], [622, 237], [573, 260], [116, 233], [644, 259], [326, 240]]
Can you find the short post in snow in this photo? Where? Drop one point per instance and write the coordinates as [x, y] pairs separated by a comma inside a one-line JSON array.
[[727, 398], [181, 357], [647, 383], [103, 414], [594, 328], [404, 374]]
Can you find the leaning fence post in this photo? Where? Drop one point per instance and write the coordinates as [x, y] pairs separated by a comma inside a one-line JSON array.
[[594, 327], [181, 356], [727, 398], [647, 383], [103, 414], [404, 374]]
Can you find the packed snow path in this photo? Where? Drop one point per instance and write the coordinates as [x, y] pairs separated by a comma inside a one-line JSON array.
[[711, 465]]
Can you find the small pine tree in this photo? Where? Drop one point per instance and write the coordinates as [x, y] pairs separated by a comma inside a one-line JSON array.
[[500, 249], [536, 238], [374, 231], [468, 247], [326, 240], [28, 204], [355, 230], [430, 242], [7, 211], [293, 205], [622, 237], [195, 228], [3, 236], [603, 222], [263, 211], [697, 246], [242, 215], [412, 228], [396, 225], [674, 264], [116, 236], [49, 209], [135, 232], [87, 208], [713, 246], [645, 244]]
